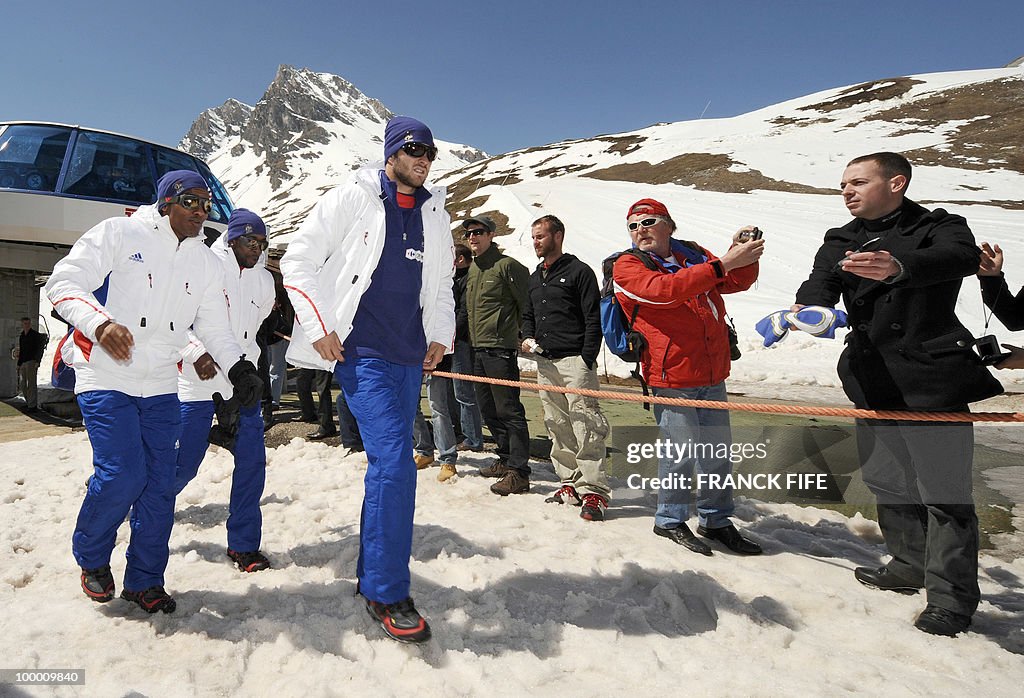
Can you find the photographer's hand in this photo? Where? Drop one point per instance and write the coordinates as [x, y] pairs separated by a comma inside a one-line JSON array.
[[991, 260], [1014, 360]]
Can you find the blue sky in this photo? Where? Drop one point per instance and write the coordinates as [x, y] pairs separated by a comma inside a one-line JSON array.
[[499, 76]]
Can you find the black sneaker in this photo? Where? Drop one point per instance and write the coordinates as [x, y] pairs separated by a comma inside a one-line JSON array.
[[593, 507], [565, 494], [400, 620], [98, 584], [249, 562], [151, 600]]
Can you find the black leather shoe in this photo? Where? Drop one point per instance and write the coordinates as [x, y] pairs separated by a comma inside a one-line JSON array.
[[885, 580], [731, 538], [683, 536], [939, 621], [321, 434]]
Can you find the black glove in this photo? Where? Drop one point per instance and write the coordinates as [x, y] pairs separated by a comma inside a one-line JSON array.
[[247, 383], [225, 431]]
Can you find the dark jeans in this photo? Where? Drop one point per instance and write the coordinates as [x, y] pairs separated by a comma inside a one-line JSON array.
[[310, 380], [501, 408], [350, 437], [921, 475]]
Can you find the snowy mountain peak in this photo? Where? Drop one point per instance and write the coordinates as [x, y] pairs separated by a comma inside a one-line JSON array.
[[304, 136]]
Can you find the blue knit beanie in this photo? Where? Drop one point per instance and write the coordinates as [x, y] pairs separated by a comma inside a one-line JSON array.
[[405, 129], [175, 182], [245, 222]]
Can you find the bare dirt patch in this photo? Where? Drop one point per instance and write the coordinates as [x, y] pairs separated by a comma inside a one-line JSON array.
[[705, 171]]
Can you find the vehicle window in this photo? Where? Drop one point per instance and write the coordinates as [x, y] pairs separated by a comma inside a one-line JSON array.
[[31, 156], [221, 201], [110, 167]]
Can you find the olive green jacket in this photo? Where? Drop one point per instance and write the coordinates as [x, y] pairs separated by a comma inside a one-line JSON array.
[[496, 296]]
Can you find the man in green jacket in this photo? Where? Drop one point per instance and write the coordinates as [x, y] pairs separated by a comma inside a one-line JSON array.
[[496, 295]]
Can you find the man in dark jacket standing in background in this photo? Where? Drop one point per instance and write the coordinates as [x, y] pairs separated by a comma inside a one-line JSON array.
[[562, 329], [898, 268], [495, 300], [31, 345]]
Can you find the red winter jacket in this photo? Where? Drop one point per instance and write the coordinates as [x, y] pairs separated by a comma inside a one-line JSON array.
[[682, 315]]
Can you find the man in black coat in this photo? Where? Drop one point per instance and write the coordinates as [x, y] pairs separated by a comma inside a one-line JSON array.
[[31, 345], [898, 268]]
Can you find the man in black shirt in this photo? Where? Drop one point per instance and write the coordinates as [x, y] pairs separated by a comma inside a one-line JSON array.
[[562, 331], [31, 345]]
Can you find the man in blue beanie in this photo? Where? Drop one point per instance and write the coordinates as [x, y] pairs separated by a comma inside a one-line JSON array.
[[131, 288], [249, 289], [370, 275]]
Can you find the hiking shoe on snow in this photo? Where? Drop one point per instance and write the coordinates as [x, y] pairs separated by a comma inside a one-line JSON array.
[[98, 584], [593, 507], [253, 561], [447, 472], [151, 600], [423, 461], [400, 620], [514, 482], [565, 494], [496, 469]]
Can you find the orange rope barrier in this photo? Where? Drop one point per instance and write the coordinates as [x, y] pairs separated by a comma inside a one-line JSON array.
[[755, 407]]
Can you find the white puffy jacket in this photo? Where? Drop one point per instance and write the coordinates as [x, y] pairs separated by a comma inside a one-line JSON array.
[[250, 298], [157, 289], [330, 262]]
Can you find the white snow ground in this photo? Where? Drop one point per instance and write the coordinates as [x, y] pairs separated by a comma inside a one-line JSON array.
[[523, 597]]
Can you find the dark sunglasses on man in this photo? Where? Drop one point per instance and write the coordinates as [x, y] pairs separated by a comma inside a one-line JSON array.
[[418, 150], [191, 202], [474, 232], [253, 242], [645, 223]]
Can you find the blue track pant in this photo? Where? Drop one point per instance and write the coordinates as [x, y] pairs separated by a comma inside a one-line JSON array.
[[383, 398], [133, 449], [245, 521]]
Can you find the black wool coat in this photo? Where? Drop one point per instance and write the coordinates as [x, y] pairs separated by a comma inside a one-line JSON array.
[[906, 347]]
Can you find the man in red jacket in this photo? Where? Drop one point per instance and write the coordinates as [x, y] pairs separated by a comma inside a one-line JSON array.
[[682, 316]]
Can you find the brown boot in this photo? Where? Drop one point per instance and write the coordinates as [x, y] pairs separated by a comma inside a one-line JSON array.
[[514, 482], [447, 472], [496, 469]]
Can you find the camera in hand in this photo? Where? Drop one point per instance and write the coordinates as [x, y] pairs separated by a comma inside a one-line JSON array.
[[755, 234], [988, 350]]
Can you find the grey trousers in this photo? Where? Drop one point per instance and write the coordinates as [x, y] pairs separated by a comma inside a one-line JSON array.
[[575, 424], [27, 378], [921, 475]]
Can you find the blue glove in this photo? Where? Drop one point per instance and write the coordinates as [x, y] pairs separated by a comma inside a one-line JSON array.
[[773, 328]]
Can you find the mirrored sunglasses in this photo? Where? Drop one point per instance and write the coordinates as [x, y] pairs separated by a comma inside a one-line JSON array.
[[253, 242], [192, 202], [418, 150], [644, 223]]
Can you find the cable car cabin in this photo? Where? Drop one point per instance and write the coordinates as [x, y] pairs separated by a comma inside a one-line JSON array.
[[56, 182]]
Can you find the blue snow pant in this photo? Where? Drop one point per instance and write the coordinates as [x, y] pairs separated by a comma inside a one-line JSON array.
[[383, 397], [133, 450], [245, 521]]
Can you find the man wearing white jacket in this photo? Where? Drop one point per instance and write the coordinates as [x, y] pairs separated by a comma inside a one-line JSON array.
[[249, 290], [131, 287], [370, 276]]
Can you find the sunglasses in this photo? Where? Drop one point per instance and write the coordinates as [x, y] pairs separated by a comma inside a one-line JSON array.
[[473, 233], [645, 223], [191, 202], [418, 150], [253, 242]]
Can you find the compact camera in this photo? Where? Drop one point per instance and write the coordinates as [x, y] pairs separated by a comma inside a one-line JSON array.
[[755, 234], [988, 350]]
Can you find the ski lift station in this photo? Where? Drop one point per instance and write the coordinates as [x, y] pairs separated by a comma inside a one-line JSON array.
[[56, 182]]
